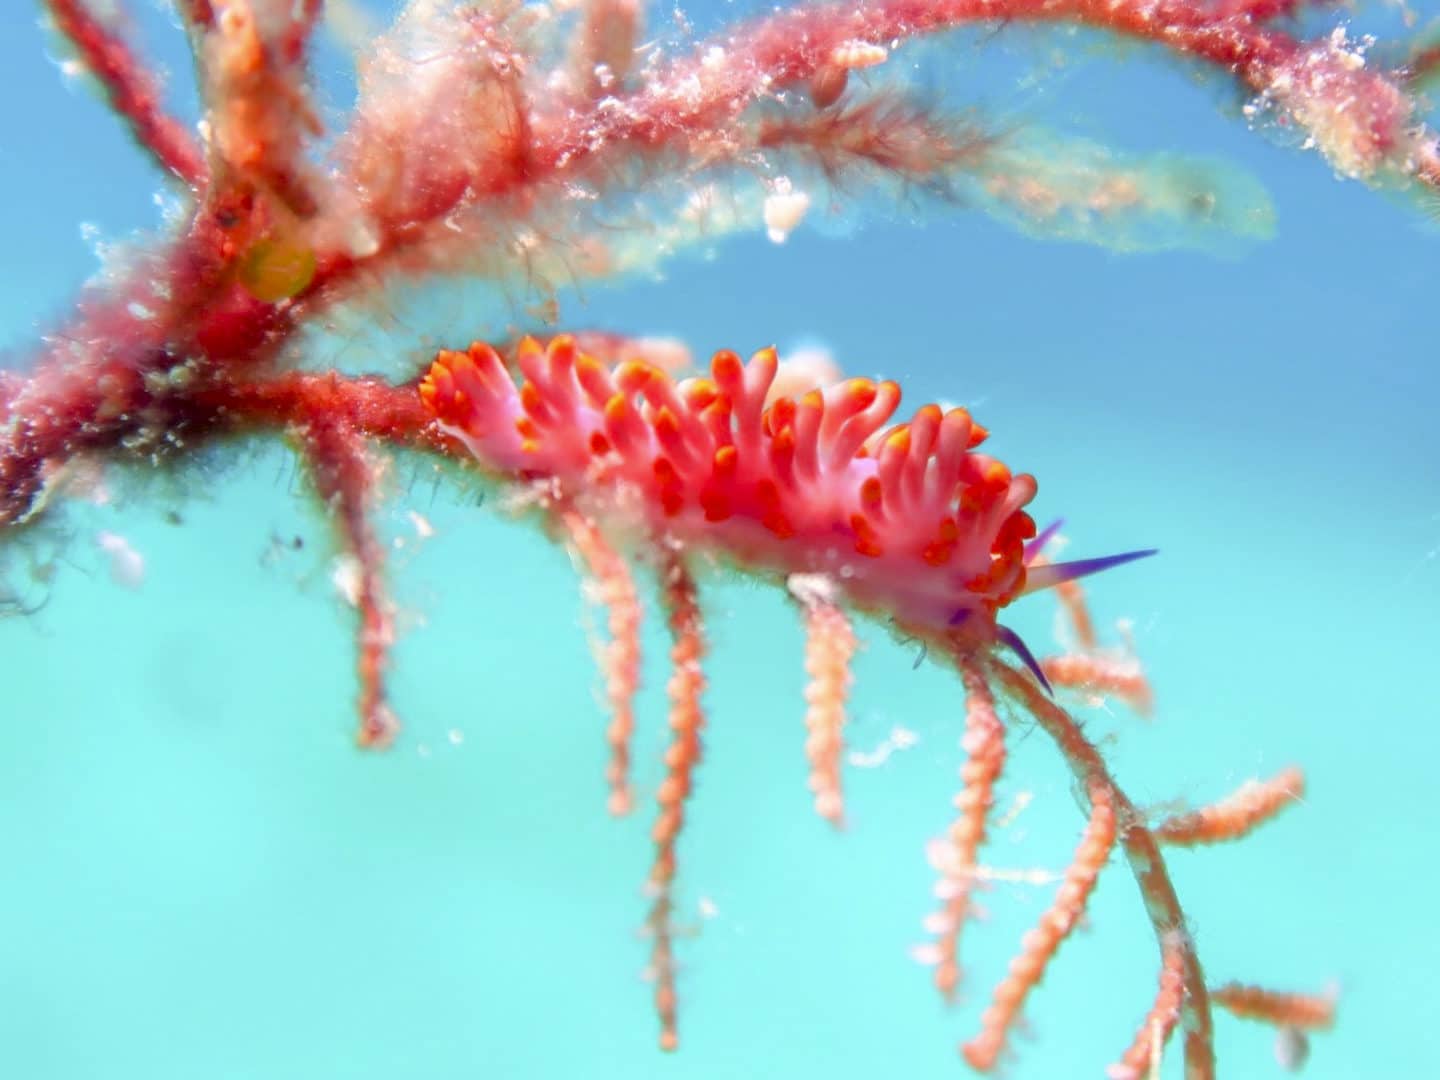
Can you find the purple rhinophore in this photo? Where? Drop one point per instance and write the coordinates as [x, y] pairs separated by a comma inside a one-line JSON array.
[[1050, 574], [1043, 537]]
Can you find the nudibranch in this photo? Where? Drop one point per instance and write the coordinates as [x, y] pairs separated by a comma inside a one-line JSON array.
[[910, 522], [907, 522]]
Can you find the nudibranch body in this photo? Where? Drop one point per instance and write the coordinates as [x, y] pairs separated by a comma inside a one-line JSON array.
[[908, 521]]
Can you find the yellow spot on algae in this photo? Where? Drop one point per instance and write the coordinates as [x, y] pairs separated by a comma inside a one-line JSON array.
[[276, 269]]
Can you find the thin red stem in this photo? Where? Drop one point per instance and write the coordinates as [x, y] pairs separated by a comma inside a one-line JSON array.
[[131, 91], [344, 479]]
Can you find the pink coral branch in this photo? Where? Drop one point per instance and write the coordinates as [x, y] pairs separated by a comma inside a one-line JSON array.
[[345, 479], [984, 746], [1305, 1011], [1236, 815], [1142, 852], [252, 76], [1038, 947], [1422, 64], [1360, 118], [887, 132], [1089, 668], [1261, 11], [1142, 1058], [687, 722], [619, 658], [1072, 598], [1102, 675], [829, 646], [131, 91]]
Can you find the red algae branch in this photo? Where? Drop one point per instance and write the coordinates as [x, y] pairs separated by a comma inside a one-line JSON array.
[[273, 239], [132, 91]]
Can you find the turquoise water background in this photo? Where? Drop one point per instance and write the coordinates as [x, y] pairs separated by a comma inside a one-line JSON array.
[[203, 878]]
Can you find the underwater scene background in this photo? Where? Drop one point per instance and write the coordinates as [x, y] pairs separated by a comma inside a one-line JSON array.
[[204, 878]]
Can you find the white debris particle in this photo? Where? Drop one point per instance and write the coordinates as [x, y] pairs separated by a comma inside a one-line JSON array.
[[801, 370], [926, 955], [127, 566], [784, 209], [360, 238], [900, 738], [811, 589], [346, 578], [855, 55], [1291, 1048]]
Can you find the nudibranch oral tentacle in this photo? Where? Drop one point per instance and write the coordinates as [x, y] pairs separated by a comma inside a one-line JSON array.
[[911, 521]]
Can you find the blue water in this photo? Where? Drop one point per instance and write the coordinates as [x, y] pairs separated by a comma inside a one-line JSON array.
[[203, 878]]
